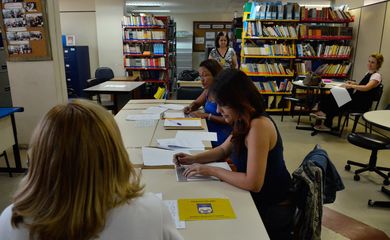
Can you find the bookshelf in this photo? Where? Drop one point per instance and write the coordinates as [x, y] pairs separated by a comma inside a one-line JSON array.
[[149, 51], [281, 41], [268, 49]]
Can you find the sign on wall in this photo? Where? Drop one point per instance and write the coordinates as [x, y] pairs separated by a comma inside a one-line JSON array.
[[25, 30], [205, 32]]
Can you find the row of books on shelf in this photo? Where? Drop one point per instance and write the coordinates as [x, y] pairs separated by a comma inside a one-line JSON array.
[[143, 35], [274, 102], [144, 20], [322, 50], [303, 67], [266, 68], [272, 10], [306, 31], [326, 13], [145, 62], [271, 50], [333, 69], [145, 49], [256, 29], [148, 75], [272, 86]]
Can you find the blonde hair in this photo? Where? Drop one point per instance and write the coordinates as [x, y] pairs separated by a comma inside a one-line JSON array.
[[79, 170], [379, 59]]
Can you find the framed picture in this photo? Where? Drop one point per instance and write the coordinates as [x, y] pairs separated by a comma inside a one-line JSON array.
[[25, 30], [70, 40]]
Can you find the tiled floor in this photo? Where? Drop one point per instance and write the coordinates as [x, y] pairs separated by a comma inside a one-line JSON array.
[[297, 143]]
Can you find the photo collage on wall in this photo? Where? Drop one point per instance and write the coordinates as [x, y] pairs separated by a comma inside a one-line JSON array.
[[19, 17]]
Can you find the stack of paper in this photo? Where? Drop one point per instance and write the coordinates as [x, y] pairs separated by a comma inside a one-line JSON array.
[[171, 114], [154, 156], [142, 117], [172, 106], [174, 210], [154, 110], [189, 140]]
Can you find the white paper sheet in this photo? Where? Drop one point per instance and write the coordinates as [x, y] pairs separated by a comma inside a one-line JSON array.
[[176, 144], [181, 178], [172, 106], [153, 156], [154, 110], [341, 95], [202, 136], [174, 115], [140, 117], [174, 210], [115, 86], [182, 123]]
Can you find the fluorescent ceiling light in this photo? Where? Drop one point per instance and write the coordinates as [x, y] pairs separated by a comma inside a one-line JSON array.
[[145, 4], [151, 10]]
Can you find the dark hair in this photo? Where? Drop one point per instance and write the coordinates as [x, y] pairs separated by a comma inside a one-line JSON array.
[[219, 35], [212, 65], [234, 89]]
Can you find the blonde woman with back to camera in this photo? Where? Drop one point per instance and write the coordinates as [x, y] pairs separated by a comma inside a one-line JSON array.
[[81, 184]]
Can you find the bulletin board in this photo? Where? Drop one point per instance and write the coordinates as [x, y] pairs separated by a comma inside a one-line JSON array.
[[25, 30], [205, 33]]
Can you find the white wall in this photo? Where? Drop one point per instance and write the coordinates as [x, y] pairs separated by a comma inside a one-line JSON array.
[[78, 18], [350, 3], [385, 70], [109, 34], [39, 85]]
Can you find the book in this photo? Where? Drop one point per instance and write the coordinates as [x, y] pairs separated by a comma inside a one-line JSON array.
[[205, 209], [181, 178]]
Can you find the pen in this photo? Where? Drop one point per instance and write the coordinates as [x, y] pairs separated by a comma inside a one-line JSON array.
[[177, 123]]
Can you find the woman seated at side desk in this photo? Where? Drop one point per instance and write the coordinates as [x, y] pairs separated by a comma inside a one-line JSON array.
[[208, 70], [361, 93], [256, 148], [81, 184]]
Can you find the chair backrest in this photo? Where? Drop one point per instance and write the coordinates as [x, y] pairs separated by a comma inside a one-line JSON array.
[[104, 74], [188, 93], [378, 95]]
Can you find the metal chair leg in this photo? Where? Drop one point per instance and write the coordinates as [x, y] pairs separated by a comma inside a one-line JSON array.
[[7, 163]]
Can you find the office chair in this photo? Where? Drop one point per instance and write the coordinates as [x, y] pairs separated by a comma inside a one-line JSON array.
[[374, 143], [386, 204], [188, 93], [102, 74], [4, 154], [356, 115]]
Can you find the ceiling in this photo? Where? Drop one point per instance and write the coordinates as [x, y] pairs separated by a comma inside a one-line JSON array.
[[206, 6]]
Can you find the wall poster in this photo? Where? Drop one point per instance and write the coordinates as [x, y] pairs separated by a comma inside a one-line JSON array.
[[25, 30]]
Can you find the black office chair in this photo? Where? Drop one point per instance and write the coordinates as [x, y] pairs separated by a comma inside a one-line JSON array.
[[4, 154], [356, 115], [374, 143], [188, 93], [385, 204], [102, 74]]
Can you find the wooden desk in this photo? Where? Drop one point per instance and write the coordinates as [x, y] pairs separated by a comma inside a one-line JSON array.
[[121, 90], [378, 118], [248, 224], [9, 136], [189, 84]]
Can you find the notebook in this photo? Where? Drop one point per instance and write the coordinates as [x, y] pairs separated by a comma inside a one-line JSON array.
[[181, 178]]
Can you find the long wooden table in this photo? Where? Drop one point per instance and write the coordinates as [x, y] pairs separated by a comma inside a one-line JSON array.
[[248, 224]]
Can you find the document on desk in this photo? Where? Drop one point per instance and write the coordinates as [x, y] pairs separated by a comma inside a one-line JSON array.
[[115, 86], [154, 110], [183, 123], [341, 95], [181, 178], [199, 136], [174, 210], [141, 117], [169, 114], [172, 106], [205, 209], [154, 156]]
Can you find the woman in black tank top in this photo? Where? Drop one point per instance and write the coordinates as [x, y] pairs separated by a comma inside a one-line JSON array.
[[362, 94]]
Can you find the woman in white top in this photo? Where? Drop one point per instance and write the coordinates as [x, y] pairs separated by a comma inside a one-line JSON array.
[[362, 94], [225, 55], [81, 184]]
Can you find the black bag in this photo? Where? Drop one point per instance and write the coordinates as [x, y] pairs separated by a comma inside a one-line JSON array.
[[188, 75], [312, 79]]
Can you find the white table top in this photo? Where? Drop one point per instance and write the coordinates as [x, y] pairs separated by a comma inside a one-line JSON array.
[[379, 118], [299, 83], [248, 224], [114, 86]]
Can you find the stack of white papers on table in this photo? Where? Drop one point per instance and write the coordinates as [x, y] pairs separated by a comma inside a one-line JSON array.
[[183, 123], [181, 178], [174, 210], [154, 110], [171, 114], [188, 140], [341, 95], [154, 156], [172, 106], [142, 117]]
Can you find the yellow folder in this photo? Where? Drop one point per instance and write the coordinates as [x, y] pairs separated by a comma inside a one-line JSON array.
[[205, 209]]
